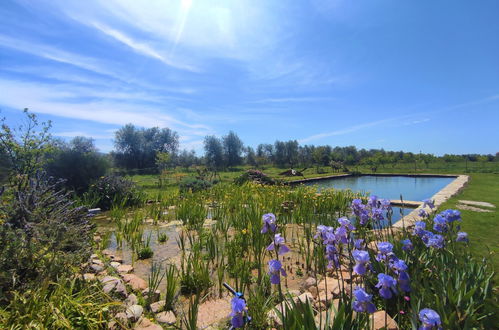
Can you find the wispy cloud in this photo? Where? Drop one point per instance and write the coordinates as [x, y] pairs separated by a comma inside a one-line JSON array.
[[85, 134]]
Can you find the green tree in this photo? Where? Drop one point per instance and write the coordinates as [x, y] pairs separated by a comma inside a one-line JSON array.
[[214, 156], [233, 148]]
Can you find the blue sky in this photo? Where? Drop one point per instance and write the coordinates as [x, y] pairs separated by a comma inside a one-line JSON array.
[[400, 75]]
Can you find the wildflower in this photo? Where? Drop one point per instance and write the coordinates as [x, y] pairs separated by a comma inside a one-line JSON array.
[[419, 228], [238, 308], [269, 223], [423, 214], [386, 284], [361, 259], [385, 251], [341, 235], [278, 244], [400, 268], [357, 243], [430, 319], [377, 214], [451, 215], [244, 231], [362, 302], [275, 270], [344, 222], [407, 245], [462, 237], [372, 201], [429, 203], [326, 234], [436, 241], [440, 224], [332, 256], [386, 204]]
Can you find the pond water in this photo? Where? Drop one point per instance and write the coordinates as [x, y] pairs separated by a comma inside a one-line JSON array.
[[414, 188]]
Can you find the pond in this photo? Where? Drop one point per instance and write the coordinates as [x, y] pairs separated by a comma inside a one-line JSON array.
[[411, 188]]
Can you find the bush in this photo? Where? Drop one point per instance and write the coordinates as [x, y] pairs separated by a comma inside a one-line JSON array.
[[114, 190], [254, 176], [43, 235], [193, 184]]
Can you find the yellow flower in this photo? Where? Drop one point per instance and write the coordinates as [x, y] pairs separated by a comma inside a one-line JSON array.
[[244, 231]]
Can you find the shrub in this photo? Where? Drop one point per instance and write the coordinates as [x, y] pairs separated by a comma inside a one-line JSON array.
[[193, 184], [43, 235], [112, 189], [254, 176]]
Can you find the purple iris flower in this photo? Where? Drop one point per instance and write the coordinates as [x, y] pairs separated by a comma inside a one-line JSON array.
[[386, 284], [332, 256], [357, 243], [377, 214], [363, 217], [430, 319], [326, 234], [436, 241], [451, 215], [419, 228], [238, 308], [269, 223], [400, 268], [341, 234], [386, 204], [440, 224], [361, 259], [357, 205], [429, 203], [407, 245], [278, 244], [362, 302], [462, 237], [275, 271], [385, 250], [422, 213], [372, 201], [344, 222]]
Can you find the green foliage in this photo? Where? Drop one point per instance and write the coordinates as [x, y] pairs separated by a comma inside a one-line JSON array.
[[145, 252], [213, 149], [45, 232], [254, 176], [78, 164], [112, 189], [193, 184], [67, 304], [171, 291], [233, 148], [194, 275]]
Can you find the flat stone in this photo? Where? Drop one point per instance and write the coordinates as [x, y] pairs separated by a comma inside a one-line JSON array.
[[124, 269], [166, 317], [115, 264], [327, 314], [97, 262], [113, 284], [332, 285], [145, 324], [134, 312], [304, 297], [107, 252], [89, 277], [379, 321], [94, 256], [96, 268], [213, 311], [157, 306], [155, 296], [121, 317], [131, 300], [117, 259], [476, 203], [135, 282], [309, 282]]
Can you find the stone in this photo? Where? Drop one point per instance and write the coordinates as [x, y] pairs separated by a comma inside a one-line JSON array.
[[121, 317], [379, 321], [89, 277], [115, 264], [97, 262], [117, 259], [320, 318], [131, 300], [332, 285], [124, 269], [145, 324], [304, 297], [135, 282], [213, 311], [107, 252], [157, 306], [166, 317], [113, 284], [96, 268], [294, 293], [94, 211], [472, 208], [94, 256], [309, 282], [314, 291], [476, 203], [134, 312]]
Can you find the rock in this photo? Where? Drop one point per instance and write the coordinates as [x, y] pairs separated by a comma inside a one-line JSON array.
[[89, 277], [97, 238], [113, 284], [379, 321], [281, 307], [145, 324], [94, 256], [107, 252], [155, 296], [213, 311], [115, 264], [131, 300], [166, 317], [309, 282], [96, 268], [329, 315], [124, 269], [332, 285], [294, 293], [97, 262], [314, 291], [94, 211], [135, 282], [117, 259], [157, 306], [304, 297], [134, 312]]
